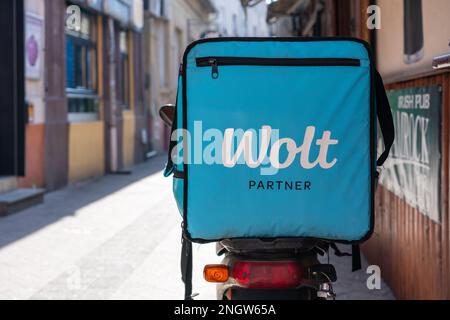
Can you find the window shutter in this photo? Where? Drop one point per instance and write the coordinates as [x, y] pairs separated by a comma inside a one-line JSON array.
[[12, 95]]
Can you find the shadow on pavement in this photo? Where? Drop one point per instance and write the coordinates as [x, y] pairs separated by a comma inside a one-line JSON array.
[[65, 202]]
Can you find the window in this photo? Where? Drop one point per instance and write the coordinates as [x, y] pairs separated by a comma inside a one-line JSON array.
[[157, 7], [123, 83], [81, 70]]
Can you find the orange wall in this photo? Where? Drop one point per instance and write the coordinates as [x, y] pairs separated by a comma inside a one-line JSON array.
[[34, 156]]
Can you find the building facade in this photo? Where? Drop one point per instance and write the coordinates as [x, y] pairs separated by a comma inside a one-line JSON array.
[[170, 25], [233, 19], [84, 91], [95, 75], [411, 240], [98, 131]]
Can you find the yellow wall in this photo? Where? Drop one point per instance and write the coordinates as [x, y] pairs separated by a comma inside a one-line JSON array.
[[129, 134], [86, 150]]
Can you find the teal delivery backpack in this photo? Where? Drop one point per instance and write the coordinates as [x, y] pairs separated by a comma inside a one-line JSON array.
[[276, 138]]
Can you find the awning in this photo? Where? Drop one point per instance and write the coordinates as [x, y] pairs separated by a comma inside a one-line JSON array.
[[281, 8]]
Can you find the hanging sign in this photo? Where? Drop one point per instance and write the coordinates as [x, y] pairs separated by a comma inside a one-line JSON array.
[[413, 169]]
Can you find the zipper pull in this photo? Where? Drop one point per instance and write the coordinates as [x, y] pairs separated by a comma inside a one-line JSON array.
[[215, 69]]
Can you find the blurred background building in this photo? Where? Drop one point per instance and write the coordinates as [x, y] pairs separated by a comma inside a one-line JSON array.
[[235, 19], [84, 92], [84, 101], [170, 25], [410, 40]]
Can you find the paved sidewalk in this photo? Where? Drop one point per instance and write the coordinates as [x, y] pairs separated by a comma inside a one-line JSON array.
[[116, 237]]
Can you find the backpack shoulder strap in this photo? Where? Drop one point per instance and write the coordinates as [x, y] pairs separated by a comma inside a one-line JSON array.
[[170, 168], [356, 258], [385, 119], [186, 267]]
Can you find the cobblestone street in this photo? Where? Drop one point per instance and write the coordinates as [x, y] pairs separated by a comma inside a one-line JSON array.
[[116, 237]]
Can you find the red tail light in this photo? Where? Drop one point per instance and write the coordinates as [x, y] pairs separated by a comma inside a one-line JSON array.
[[267, 274]]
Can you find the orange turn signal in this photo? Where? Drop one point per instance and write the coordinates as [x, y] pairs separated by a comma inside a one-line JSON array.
[[216, 273]]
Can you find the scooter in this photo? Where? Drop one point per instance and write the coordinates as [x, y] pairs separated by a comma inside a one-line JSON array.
[[276, 269]]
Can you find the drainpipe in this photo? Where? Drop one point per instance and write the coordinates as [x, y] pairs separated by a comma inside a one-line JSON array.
[[113, 132]]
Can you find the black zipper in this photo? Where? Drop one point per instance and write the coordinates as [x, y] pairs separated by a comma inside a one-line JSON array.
[[215, 62]]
